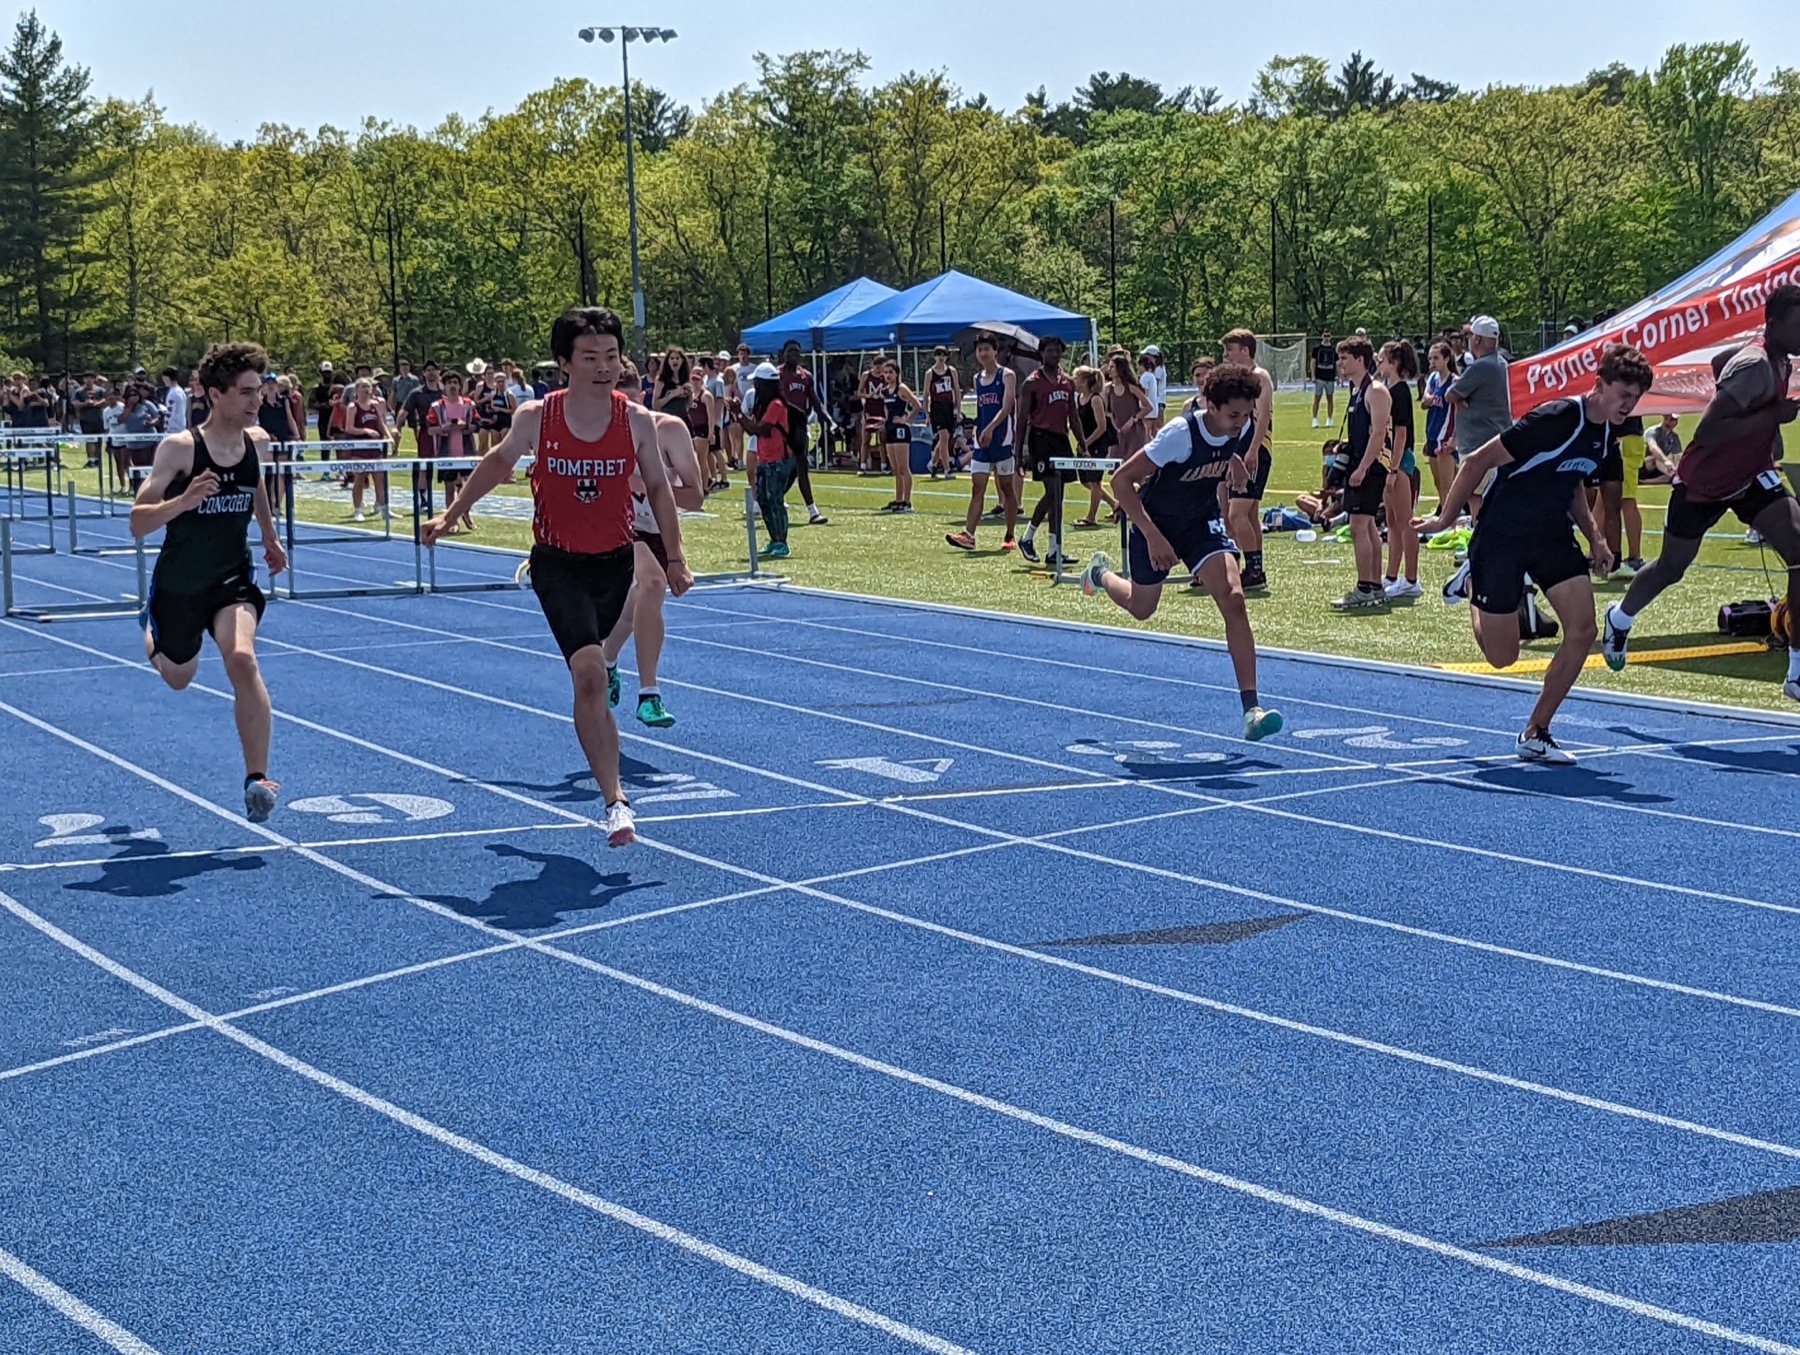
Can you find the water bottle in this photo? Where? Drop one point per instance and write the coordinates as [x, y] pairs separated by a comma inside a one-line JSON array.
[[1306, 536]]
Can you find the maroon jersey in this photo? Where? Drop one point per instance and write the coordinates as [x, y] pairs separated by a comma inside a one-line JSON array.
[[582, 490], [1712, 472], [1052, 400], [942, 389], [797, 390]]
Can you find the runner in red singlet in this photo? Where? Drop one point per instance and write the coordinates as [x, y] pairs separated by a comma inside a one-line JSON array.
[[589, 439]]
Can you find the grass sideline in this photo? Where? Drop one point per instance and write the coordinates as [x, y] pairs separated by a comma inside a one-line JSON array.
[[865, 551]]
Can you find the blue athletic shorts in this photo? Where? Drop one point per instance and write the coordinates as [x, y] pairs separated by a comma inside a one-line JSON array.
[[1194, 543]]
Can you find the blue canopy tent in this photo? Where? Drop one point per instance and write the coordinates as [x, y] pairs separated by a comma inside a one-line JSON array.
[[936, 311], [805, 324]]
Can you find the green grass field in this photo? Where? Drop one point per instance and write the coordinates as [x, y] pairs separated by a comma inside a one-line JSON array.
[[864, 551]]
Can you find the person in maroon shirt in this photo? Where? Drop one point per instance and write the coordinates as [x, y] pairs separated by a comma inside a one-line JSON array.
[[801, 395], [1046, 410], [1730, 465]]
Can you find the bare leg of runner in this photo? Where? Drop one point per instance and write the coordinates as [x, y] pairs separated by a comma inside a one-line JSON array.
[[594, 722], [234, 631]]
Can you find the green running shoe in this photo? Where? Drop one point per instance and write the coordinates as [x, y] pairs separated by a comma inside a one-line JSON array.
[[612, 687], [651, 712], [1260, 723]]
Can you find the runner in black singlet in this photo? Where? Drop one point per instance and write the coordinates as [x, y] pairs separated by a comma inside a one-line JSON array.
[[204, 486]]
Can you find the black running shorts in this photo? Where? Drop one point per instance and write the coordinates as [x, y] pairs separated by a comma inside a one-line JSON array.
[[583, 596], [1498, 565], [1364, 500], [180, 621], [1690, 521], [1041, 448], [944, 418], [1258, 482]]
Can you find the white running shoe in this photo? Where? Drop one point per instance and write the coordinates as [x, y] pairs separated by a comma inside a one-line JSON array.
[[1090, 577], [1614, 642], [1540, 747], [1456, 591], [357, 516], [1753, 537], [621, 825], [1791, 689], [259, 799], [1404, 588]]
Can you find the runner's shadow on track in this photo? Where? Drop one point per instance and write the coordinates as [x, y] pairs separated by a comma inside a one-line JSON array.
[[148, 870], [1755, 761], [565, 884], [1569, 783]]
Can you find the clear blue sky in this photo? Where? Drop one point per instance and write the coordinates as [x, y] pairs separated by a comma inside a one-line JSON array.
[[338, 60]]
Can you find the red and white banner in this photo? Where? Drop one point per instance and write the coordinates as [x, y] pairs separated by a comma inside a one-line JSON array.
[[1679, 328]]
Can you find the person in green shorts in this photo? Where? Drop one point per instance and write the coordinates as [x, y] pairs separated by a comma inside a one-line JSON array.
[[204, 486]]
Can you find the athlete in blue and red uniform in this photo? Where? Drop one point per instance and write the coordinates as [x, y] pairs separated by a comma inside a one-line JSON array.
[[589, 440]]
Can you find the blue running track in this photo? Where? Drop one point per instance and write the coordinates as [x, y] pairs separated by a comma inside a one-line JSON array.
[[973, 988]]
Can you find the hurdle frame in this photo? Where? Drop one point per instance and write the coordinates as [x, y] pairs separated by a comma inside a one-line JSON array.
[[1069, 465]]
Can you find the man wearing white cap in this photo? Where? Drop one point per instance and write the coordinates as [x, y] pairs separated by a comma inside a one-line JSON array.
[[1480, 394]]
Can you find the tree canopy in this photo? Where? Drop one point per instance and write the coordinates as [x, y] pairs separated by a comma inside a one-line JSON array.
[[1316, 202]]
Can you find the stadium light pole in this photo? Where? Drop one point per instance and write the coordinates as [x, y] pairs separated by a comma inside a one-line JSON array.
[[626, 37]]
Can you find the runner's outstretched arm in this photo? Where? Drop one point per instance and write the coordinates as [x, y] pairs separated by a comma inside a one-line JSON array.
[[493, 470]]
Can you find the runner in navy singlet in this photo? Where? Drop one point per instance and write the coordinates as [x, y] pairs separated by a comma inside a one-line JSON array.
[[1175, 492], [204, 487], [589, 440], [1541, 466]]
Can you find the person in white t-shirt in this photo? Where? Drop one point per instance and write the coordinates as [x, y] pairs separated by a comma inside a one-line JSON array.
[[175, 402], [1154, 378]]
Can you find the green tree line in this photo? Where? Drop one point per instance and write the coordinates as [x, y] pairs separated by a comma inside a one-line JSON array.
[[1326, 198]]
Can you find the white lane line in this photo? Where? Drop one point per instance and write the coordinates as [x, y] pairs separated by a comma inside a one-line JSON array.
[[82, 1315], [1281, 1199], [1048, 842], [75, 668], [1057, 707], [1342, 915], [663, 1232], [1158, 787], [59, 588], [573, 824], [1089, 668]]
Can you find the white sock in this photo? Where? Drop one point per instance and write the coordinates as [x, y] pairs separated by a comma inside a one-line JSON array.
[[1030, 531], [812, 510], [1620, 618], [648, 691]]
